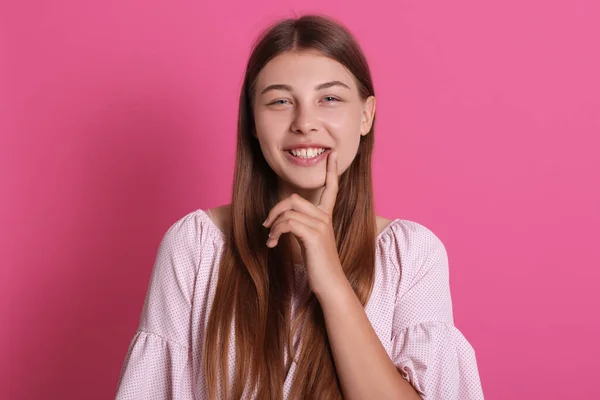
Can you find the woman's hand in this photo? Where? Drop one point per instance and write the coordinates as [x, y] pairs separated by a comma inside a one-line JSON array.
[[312, 226]]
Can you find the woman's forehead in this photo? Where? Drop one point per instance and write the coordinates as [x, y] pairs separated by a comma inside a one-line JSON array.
[[302, 68]]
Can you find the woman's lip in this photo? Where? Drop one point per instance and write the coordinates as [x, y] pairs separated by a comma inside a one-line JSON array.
[[307, 147], [307, 162]]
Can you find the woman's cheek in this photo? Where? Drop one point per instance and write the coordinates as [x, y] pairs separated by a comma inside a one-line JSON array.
[[270, 126], [344, 125], [335, 116], [341, 120]]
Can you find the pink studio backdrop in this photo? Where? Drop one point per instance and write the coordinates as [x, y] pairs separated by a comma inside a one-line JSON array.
[[118, 118]]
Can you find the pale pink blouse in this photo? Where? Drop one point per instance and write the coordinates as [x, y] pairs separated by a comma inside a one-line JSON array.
[[410, 310]]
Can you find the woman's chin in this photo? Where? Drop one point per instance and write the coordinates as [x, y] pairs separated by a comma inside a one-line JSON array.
[[310, 184]]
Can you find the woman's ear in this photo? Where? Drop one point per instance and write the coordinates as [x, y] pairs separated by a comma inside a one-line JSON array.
[[368, 113]]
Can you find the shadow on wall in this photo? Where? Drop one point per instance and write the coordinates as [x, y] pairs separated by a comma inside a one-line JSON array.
[[124, 189]]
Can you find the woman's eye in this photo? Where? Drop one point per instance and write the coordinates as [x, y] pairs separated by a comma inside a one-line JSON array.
[[277, 102], [330, 99]]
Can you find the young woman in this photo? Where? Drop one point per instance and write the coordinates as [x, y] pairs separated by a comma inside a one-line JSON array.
[[297, 290]]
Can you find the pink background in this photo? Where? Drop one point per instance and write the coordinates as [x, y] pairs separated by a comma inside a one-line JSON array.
[[118, 118]]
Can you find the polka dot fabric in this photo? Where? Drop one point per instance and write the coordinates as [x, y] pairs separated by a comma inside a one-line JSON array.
[[410, 310]]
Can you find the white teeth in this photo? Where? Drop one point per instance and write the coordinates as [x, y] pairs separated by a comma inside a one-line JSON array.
[[307, 153]]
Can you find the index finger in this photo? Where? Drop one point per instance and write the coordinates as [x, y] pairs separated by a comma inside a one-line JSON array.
[[327, 201]]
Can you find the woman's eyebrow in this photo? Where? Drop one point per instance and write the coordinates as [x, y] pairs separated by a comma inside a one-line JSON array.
[[288, 88], [327, 85]]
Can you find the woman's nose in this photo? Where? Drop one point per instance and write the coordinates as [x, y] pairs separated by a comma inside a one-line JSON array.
[[305, 120]]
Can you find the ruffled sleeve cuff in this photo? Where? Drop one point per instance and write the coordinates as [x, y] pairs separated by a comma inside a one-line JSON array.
[[155, 368], [438, 361]]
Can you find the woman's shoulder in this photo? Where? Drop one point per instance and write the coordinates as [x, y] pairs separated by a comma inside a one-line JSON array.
[[382, 223], [411, 245], [220, 217], [189, 242], [197, 226], [408, 231]]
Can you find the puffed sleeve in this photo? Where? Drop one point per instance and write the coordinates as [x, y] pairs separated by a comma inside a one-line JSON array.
[[158, 361], [427, 349]]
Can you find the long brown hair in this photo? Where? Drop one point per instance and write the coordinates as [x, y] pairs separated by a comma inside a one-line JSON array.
[[254, 289]]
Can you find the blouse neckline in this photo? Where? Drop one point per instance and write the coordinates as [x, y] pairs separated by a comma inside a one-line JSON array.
[[222, 235]]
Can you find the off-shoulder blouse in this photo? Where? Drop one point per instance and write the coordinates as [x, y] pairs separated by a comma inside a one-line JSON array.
[[410, 309]]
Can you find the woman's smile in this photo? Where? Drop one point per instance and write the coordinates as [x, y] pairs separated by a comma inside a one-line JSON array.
[[307, 157]]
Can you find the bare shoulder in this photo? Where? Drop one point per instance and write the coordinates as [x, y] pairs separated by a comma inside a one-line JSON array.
[[382, 223], [221, 216]]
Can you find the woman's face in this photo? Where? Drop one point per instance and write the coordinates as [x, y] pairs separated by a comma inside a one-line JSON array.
[[306, 99]]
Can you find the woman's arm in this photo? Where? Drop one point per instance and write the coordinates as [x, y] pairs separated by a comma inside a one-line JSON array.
[[362, 364]]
